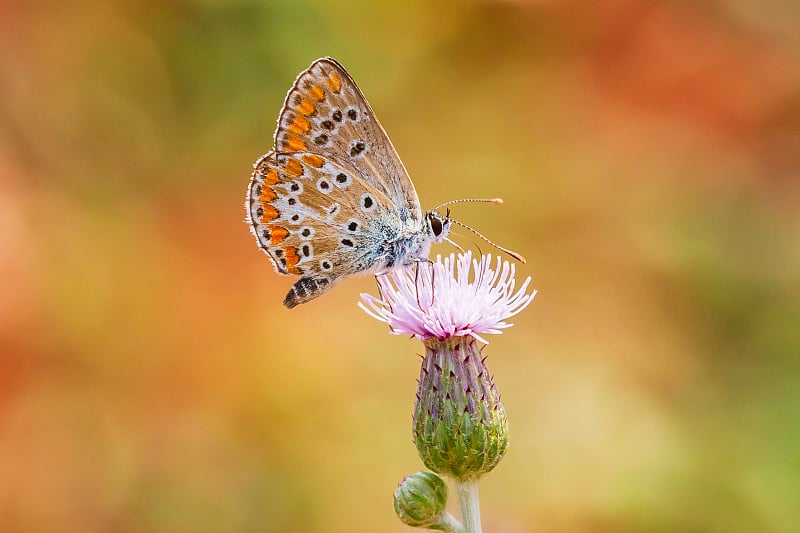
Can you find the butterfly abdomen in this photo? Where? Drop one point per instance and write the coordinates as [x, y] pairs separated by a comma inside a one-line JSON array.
[[306, 289]]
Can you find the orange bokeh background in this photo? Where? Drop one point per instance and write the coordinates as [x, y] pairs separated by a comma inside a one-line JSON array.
[[648, 152]]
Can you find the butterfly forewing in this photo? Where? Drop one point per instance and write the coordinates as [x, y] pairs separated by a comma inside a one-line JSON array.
[[326, 113]]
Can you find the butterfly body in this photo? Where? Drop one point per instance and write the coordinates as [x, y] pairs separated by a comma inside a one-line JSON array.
[[333, 198]]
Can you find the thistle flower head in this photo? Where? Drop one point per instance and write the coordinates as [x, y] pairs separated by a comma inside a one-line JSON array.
[[460, 426], [451, 297]]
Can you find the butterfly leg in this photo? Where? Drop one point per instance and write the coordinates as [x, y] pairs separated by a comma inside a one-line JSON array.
[[380, 291], [306, 289], [433, 283], [416, 283], [383, 299], [416, 262]]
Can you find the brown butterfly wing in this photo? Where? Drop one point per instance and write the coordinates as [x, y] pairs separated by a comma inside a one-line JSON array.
[[315, 218], [326, 113], [320, 202]]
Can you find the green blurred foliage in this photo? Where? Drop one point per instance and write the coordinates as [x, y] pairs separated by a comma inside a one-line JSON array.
[[648, 152]]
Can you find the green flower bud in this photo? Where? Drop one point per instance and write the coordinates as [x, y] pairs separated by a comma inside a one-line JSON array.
[[460, 426], [420, 500]]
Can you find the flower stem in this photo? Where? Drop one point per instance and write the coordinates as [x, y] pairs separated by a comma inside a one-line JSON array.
[[470, 508], [449, 524]]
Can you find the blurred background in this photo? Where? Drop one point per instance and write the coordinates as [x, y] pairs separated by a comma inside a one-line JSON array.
[[648, 152]]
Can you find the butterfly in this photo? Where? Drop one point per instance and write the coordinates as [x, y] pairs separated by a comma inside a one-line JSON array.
[[333, 199]]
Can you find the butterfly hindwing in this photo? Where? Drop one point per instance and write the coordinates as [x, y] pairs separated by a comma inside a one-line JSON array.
[[316, 218]]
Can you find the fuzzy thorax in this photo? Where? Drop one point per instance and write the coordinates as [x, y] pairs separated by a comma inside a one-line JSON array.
[[413, 246]]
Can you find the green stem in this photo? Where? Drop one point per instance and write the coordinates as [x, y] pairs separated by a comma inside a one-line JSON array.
[[449, 524], [470, 508]]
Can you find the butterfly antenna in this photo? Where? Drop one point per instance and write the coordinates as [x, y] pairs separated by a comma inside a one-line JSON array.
[[476, 246], [495, 201], [513, 254], [460, 249], [471, 240]]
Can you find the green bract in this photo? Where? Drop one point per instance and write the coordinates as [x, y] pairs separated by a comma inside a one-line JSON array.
[[460, 426]]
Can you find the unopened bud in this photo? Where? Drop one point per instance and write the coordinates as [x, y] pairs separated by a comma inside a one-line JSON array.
[[420, 500]]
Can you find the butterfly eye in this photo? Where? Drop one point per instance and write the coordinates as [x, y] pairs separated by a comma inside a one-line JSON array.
[[436, 226]]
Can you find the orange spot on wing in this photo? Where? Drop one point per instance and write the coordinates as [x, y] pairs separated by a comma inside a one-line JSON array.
[[267, 195], [334, 82], [272, 177], [294, 144], [270, 213], [316, 92], [313, 160], [293, 167], [291, 256], [299, 125], [296, 271], [306, 107], [277, 234]]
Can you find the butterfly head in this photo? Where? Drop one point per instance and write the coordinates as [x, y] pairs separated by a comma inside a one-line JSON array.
[[438, 226]]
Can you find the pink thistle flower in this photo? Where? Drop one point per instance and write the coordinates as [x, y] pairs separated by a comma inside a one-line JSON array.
[[455, 297]]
